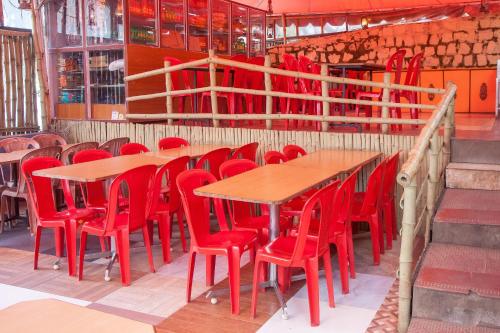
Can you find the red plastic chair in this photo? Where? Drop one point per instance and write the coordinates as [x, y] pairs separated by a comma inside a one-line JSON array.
[[303, 251], [49, 139], [172, 142], [389, 201], [274, 157], [224, 242], [293, 151], [255, 81], [120, 223], [248, 151], [133, 149], [113, 146], [310, 87], [176, 84], [166, 203], [411, 79], [41, 198], [213, 160], [394, 64], [367, 207], [94, 193]]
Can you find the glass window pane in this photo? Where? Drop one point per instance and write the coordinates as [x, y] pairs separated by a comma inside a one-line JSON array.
[[70, 78], [309, 27], [334, 24], [142, 17], [104, 21], [270, 29], [257, 21], [240, 29], [106, 77], [291, 28], [220, 26], [198, 25], [279, 29], [172, 23], [64, 24]]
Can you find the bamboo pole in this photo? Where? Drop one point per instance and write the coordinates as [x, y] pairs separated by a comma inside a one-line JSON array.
[[406, 255], [164, 70], [432, 182], [41, 71], [268, 88], [168, 86], [28, 84], [449, 127], [213, 84], [2, 99], [165, 94], [20, 118], [8, 82], [325, 94], [385, 99]]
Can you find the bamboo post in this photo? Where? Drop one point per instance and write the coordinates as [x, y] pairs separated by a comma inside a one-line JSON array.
[[168, 86], [13, 80], [40, 70], [433, 179], [449, 128], [2, 107], [29, 114], [20, 118], [406, 255], [213, 84], [8, 82], [386, 95], [269, 87], [324, 93]]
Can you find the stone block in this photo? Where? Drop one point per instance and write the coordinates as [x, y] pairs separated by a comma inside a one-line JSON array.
[[468, 60], [347, 57], [441, 50], [372, 55], [482, 60], [485, 23], [334, 58], [417, 49], [446, 61], [434, 40], [464, 48], [492, 59], [447, 37], [322, 57], [495, 21], [457, 60], [408, 41], [339, 47], [477, 48], [429, 51], [363, 58], [421, 39], [485, 35], [464, 37], [329, 48], [389, 41], [451, 49], [492, 48], [399, 41]]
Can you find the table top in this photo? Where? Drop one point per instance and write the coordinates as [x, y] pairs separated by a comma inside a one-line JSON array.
[[194, 151], [53, 316], [333, 160], [362, 66], [15, 156], [101, 169], [278, 183]]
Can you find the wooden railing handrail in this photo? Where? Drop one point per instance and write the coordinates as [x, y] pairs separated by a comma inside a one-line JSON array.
[[161, 71]]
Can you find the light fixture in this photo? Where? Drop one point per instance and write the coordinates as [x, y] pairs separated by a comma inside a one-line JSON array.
[[119, 9], [364, 23]]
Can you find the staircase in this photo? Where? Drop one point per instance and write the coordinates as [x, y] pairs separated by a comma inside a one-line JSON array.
[[457, 288]]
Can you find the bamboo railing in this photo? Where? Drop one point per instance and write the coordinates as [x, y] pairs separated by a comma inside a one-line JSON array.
[[212, 61], [18, 107]]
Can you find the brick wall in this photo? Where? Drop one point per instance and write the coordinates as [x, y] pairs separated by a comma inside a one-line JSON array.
[[453, 43]]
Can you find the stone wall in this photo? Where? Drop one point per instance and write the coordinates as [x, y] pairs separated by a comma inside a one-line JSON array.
[[454, 43]]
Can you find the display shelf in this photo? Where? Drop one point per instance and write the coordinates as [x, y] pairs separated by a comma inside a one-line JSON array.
[[107, 86], [142, 22], [198, 25], [239, 29], [70, 78]]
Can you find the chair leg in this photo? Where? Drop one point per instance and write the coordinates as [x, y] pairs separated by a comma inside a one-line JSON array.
[[343, 256], [3, 205], [381, 229], [255, 289], [147, 243], [350, 251], [164, 228], [102, 242], [311, 268], [210, 269], [327, 262], [191, 263], [180, 222], [59, 241], [123, 246], [38, 235], [394, 220], [374, 233], [388, 224], [83, 246], [234, 279], [70, 233]]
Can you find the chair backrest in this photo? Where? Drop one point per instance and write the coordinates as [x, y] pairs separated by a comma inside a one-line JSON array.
[[53, 152], [255, 79], [94, 193], [67, 154], [113, 145], [320, 203], [391, 170], [395, 64], [290, 62], [274, 157], [133, 149], [167, 175], [40, 189], [139, 184], [248, 151], [213, 160], [342, 204], [49, 139], [374, 188], [305, 65], [175, 75], [197, 208], [8, 145], [293, 151], [413, 72], [238, 210], [172, 142], [239, 74]]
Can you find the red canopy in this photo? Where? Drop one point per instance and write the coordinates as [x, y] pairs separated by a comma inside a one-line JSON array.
[[326, 6]]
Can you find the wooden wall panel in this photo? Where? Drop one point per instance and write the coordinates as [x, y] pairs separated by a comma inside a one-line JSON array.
[[104, 111], [482, 90], [70, 111], [462, 79]]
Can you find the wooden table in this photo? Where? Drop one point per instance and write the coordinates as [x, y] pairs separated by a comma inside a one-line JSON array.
[[275, 184], [17, 155], [53, 316], [101, 169], [194, 151]]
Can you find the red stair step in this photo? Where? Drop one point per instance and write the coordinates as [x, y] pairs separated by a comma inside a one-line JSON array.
[[433, 326]]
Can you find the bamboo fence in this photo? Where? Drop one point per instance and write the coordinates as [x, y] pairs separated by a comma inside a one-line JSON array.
[[18, 107]]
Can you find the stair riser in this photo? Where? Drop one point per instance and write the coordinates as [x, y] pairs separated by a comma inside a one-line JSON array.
[[473, 179], [485, 236], [475, 151], [468, 310]]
